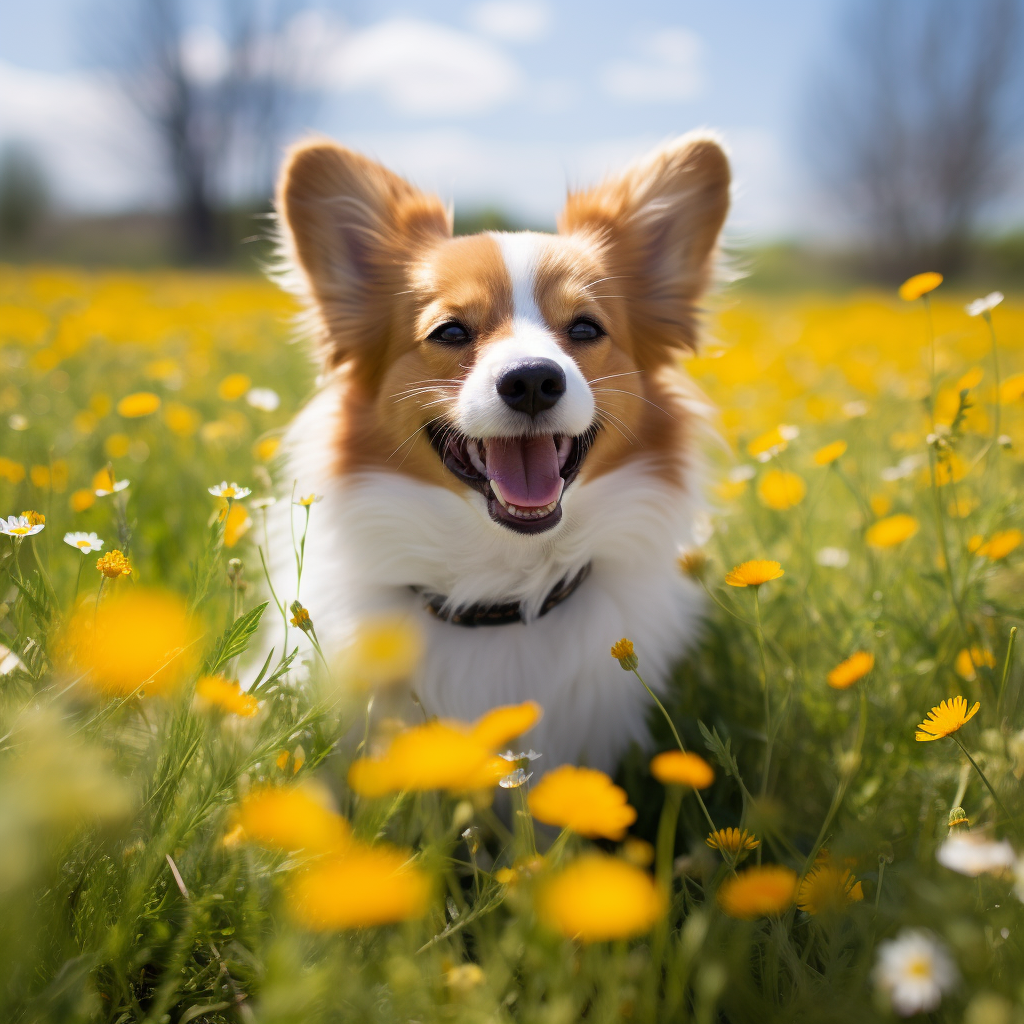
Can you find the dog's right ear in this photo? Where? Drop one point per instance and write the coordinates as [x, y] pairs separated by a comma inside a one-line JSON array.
[[349, 228]]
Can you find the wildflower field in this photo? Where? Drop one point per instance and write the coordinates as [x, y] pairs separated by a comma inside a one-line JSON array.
[[832, 828]]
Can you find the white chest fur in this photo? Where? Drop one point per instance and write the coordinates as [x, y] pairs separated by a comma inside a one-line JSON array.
[[376, 535]]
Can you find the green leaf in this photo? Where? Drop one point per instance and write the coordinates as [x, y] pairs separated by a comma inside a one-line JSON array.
[[235, 639]]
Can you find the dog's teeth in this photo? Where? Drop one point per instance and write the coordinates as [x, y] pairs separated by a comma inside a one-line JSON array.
[[477, 455], [498, 495]]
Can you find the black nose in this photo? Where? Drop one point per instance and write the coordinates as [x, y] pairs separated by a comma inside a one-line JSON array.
[[532, 386]]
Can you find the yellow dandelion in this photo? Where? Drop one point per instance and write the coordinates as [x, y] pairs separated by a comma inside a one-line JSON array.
[[114, 564], [847, 672], [141, 403], [583, 800], [781, 490], [623, 653], [945, 719], [216, 691], [236, 524], [732, 841], [598, 898], [385, 650], [999, 545], [499, 725], [81, 500], [918, 285], [360, 887], [679, 768], [754, 573], [970, 659], [136, 639], [233, 386], [893, 530], [1012, 389], [828, 889], [827, 455], [758, 892], [266, 448], [774, 441], [293, 818]]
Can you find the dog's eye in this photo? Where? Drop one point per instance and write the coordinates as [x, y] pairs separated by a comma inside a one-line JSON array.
[[584, 330], [450, 333]]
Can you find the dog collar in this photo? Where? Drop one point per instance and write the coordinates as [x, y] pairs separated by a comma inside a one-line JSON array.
[[499, 614]]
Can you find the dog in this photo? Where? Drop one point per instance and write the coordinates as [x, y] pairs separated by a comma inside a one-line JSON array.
[[506, 445]]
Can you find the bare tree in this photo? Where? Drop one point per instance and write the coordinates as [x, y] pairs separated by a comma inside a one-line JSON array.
[[217, 95], [912, 129]]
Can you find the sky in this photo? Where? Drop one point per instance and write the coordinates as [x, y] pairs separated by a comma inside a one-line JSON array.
[[498, 103]]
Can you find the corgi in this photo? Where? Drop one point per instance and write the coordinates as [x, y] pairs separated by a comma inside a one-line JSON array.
[[504, 439]]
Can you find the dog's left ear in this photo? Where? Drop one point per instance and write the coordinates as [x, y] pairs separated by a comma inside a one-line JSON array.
[[659, 223]]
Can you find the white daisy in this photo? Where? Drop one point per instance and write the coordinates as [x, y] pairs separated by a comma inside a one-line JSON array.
[[85, 542], [118, 485], [263, 502], [973, 855], [19, 527], [232, 490], [265, 399], [511, 755], [985, 305], [738, 473], [833, 558], [515, 779], [914, 969]]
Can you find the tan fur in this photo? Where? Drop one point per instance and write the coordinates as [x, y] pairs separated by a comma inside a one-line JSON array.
[[382, 271]]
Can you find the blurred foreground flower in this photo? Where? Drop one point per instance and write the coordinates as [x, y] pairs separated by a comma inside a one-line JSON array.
[[236, 524], [104, 483], [846, 673], [827, 455], [264, 399], [216, 691], [758, 892], [732, 841], [970, 659], [84, 542], [448, 755], [985, 305], [384, 650], [754, 573], [971, 854], [918, 285], [138, 638], [308, 500], [781, 490], [141, 403], [114, 564], [598, 898], [945, 719], [19, 526], [889, 532], [583, 800], [360, 887], [293, 818], [828, 889], [914, 970], [679, 768], [1000, 544]]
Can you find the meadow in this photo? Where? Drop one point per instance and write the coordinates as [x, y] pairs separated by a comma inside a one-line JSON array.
[[812, 843]]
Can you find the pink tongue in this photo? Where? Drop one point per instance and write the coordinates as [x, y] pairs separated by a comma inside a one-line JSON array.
[[525, 468]]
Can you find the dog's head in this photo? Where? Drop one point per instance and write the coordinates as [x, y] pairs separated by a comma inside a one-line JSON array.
[[503, 363]]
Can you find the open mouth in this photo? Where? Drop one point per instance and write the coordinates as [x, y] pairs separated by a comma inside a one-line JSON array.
[[522, 478]]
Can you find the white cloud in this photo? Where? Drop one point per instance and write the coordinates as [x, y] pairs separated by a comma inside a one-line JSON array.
[[97, 151], [423, 68], [666, 70], [204, 55], [518, 21]]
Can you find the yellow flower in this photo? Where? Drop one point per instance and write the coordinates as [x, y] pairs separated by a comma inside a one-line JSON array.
[[828, 889], [730, 490], [309, 499], [963, 505], [105, 483], [918, 285], [34, 518], [81, 500], [141, 403], [693, 563], [296, 759], [945, 719], [968, 660], [1012, 388], [114, 564], [300, 617], [881, 504], [638, 852], [732, 841], [827, 455], [623, 653], [758, 891], [584, 800], [14, 472], [266, 448], [136, 638], [116, 446], [182, 419], [998, 546], [597, 898], [754, 573], [774, 441], [236, 525], [950, 468], [889, 532], [233, 386], [676, 768], [971, 379], [385, 650], [846, 673], [292, 818], [781, 490], [360, 887], [520, 871], [444, 754], [216, 691]]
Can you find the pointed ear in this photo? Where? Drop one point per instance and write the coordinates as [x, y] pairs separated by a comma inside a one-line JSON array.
[[659, 223], [350, 228]]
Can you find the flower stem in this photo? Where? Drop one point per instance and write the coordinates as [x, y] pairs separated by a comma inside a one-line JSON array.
[[769, 734], [999, 803], [1006, 669]]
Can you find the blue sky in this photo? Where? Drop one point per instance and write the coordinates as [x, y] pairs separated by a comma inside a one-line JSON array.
[[491, 103]]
